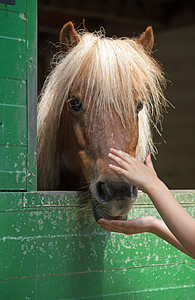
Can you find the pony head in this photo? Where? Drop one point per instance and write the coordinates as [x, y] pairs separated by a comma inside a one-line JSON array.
[[102, 93]]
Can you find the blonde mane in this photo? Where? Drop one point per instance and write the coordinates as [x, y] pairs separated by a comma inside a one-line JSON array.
[[117, 72]]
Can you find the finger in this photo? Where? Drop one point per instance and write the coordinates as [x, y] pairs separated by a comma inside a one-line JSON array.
[[110, 229], [118, 230], [113, 228], [149, 162], [123, 226], [106, 222], [105, 228], [119, 170], [115, 225], [123, 155], [119, 161], [110, 223]]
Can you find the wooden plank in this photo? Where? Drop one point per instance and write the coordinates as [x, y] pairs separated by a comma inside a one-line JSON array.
[[49, 199], [12, 167], [61, 252], [36, 257], [13, 45], [73, 243], [140, 284], [32, 94], [11, 201], [12, 25], [13, 92], [14, 51], [13, 99], [13, 125], [19, 289], [120, 284], [68, 198], [22, 256], [13, 121]]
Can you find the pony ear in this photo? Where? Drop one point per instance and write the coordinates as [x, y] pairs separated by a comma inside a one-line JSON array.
[[147, 39], [68, 37]]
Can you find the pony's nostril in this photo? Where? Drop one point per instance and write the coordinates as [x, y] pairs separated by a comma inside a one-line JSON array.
[[134, 193], [102, 191]]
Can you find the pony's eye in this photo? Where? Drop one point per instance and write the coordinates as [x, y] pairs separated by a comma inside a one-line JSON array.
[[75, 104], [139, 107]]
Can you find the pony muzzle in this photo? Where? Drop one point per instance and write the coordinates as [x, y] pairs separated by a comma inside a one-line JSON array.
[[108, 190], [113, 199]]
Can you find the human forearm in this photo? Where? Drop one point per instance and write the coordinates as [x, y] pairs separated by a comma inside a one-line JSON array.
[[160, 229], [179, 222], [177, 219], [144, 224]]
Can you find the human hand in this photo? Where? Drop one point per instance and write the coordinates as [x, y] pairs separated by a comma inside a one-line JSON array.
[[138, 174], [147, 224], [140, 225]]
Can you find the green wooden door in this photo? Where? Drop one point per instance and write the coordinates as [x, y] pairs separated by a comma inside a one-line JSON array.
[[51, 248], [17, 95]]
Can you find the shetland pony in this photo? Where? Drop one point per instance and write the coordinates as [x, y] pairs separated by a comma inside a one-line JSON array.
[[102, 93]]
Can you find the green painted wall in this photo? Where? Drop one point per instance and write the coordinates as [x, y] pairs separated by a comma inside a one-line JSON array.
[[51, 248], [17, 73]]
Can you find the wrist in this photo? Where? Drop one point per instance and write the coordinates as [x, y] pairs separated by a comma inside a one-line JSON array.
[[155, 186], [154, 225], [150, 224]]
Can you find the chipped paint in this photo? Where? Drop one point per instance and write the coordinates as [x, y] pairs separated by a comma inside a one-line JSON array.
[[57, 242], [22, 16]]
